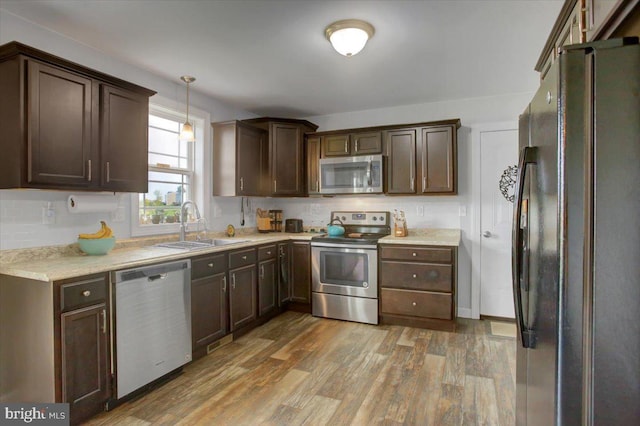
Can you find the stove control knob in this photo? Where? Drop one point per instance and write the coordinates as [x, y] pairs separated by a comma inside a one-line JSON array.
[[344, 218], [382, 218], [375, 218]]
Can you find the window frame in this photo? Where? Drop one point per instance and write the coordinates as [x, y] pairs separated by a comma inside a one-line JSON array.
[[172, 110]]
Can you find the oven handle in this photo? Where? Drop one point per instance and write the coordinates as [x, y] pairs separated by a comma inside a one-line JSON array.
[[345, 246], [369, 182]]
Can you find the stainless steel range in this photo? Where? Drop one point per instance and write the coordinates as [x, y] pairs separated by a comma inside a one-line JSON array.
[[345, 268]]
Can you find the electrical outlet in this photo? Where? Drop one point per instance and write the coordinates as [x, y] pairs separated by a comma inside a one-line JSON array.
[[48, 214], [462, 211], [118, 214], [420, 211]]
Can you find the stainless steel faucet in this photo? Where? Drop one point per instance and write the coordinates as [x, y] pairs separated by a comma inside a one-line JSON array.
[[183, 218]]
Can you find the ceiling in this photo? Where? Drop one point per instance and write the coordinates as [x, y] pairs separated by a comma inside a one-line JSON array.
[[270, 57]]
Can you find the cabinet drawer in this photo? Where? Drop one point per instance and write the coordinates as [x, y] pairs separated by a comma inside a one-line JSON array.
[[267, 252], [83, 293], [242, 258], [418, 254], [416, 276], [415, 303], [208, 265]]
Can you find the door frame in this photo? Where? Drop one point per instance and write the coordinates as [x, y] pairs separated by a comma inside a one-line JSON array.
[[476, 134]]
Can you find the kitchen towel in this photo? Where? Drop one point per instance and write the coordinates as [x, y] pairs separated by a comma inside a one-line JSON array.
[[92, 203]]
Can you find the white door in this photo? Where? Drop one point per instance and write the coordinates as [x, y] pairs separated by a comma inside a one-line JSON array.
[[498, 151]]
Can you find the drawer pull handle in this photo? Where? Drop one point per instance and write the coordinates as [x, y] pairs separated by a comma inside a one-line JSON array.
[[415, 276], [414, 303], [414, 254], [210, 265], [244, 257], [224, 284], [86, 293], [268, 253]]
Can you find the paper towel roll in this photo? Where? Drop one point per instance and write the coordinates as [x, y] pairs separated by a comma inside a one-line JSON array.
[[92, 203]]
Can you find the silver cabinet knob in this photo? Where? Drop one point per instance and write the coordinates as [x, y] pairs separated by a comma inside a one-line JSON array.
[[210, 265], [86, 293], [415, 276], [414, 254], [414, 303], [486, 234]]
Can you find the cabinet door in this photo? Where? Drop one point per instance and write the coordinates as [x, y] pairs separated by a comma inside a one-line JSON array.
[[124, 121], [335, 146], [438, 161], [208, 309], [251, 160], [301, 272], [287, 159], [284, 274], [401, 153], [267, 286], [59, 120], [86, 375], [242, 298], [313, 170], [366, 143]]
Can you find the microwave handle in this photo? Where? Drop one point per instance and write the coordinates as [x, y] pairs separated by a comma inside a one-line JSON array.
[[369, 173]]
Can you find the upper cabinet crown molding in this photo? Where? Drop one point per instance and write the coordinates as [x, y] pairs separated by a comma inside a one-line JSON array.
[[581, 21], [65, 126], [15, 48]]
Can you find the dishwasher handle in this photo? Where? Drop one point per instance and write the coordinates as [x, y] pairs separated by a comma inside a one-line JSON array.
[[157, 277], [153, 272]]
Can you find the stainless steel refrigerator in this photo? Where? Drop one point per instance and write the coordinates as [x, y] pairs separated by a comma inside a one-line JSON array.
[[576, 241]]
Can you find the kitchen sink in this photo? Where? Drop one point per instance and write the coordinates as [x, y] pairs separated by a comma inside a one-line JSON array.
[[201, 244]]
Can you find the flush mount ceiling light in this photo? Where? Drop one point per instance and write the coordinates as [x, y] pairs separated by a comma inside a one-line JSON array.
[[349, 36], [186, 134]]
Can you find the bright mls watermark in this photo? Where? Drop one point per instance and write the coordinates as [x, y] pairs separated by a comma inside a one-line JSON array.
[[36, 414]]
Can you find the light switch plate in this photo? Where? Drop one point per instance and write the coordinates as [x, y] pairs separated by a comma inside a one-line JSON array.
[[420, 211]]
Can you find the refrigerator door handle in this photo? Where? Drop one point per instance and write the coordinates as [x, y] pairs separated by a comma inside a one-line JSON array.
[[527, 156]]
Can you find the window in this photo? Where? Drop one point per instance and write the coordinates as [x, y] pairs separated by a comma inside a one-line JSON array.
[[175, 175], [170, 173]]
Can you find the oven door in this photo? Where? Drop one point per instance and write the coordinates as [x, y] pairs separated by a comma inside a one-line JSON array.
[[345, 270]]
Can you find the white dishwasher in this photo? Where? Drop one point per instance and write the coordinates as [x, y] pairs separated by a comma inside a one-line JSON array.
[[153, 323]]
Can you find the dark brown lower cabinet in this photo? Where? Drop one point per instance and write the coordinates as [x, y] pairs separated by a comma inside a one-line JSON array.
[[300, 272], [209, 313], [284, 273], [267, 286], [84, 346], [418, 286], [242, 296]]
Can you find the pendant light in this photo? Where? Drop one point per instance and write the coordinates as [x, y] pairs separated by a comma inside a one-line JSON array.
[[349, 36], [186, 134]]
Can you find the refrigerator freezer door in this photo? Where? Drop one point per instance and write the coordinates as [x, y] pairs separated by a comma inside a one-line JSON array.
[[616, 237]]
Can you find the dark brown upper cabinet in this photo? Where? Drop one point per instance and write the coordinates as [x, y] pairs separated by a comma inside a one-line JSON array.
[[401, 161], [313, 171], [240, 159], [65, 126], [347, 144], [287, 160], [438, 160], [420, 158]]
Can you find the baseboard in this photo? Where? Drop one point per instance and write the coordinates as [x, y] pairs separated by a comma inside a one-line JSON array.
[[494, 318], [464, 313]]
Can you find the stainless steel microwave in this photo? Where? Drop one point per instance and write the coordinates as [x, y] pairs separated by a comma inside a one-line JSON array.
[[352, 175]]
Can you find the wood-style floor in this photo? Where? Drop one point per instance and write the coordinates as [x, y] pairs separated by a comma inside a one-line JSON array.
[[298, 369]]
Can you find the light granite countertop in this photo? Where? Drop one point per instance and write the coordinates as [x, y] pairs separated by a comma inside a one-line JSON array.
[[57, 263], [71, 264], [427, 237]]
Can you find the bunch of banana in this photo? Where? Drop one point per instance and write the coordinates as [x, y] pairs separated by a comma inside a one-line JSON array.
[[104, 232]]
